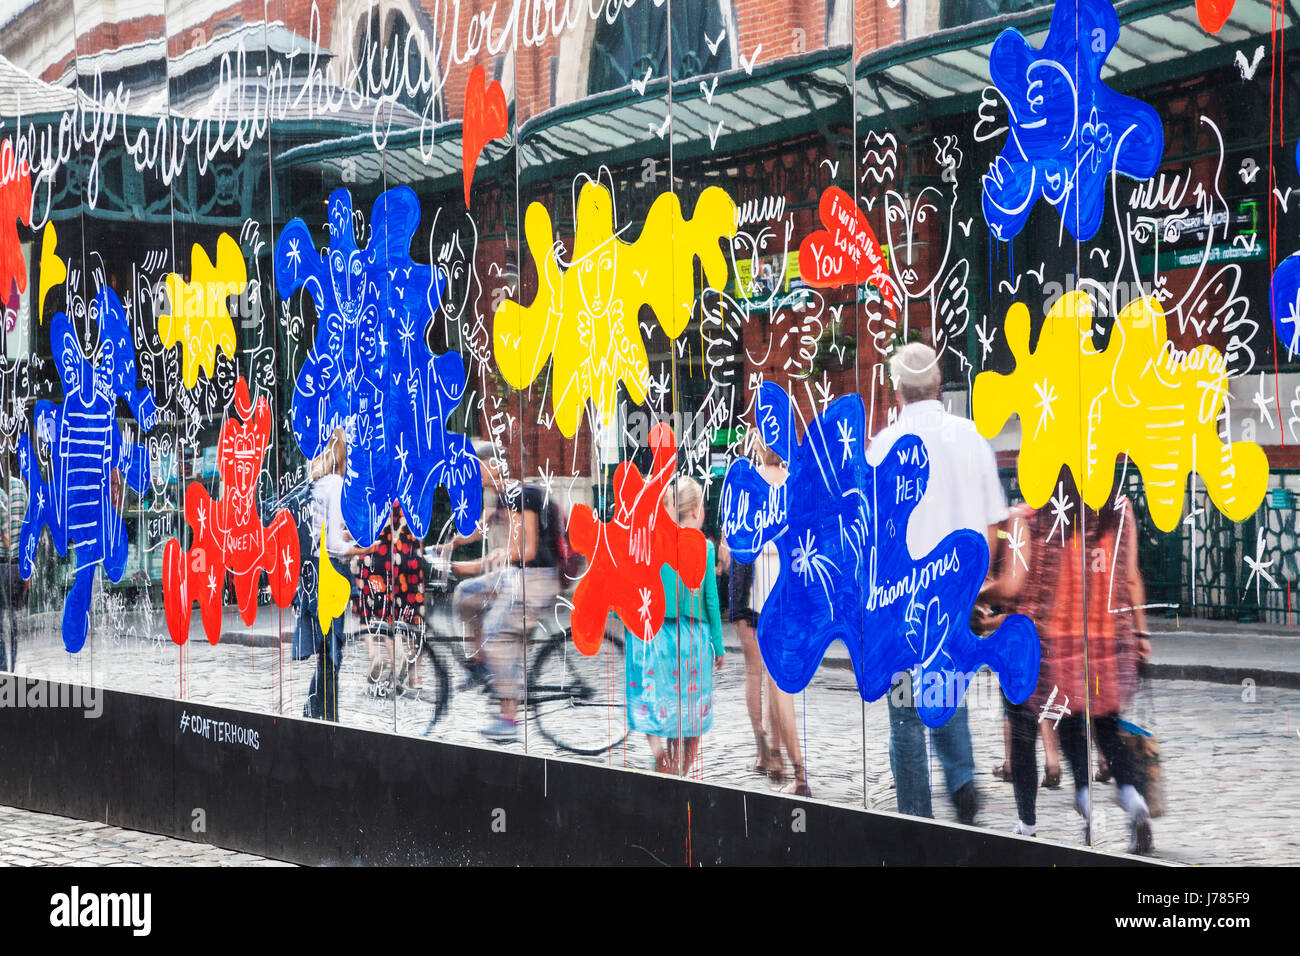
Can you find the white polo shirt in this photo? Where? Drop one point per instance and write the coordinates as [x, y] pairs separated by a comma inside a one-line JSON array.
[[963, 489]]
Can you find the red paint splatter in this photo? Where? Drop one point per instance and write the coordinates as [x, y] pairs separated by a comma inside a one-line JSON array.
[[15, 206], [486, 118], [1213, 14], [625, 554], [228, 534]]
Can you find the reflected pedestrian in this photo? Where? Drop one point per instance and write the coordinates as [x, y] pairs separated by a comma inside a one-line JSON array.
[[1093, 630], [13, 588], [670, 677], [963, 492], [326, 473]]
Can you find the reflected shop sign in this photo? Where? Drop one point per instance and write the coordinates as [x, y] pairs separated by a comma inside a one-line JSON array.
[[577, 379]]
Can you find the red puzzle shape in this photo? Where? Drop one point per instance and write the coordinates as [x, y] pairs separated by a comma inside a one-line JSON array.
[[625, 555], [15, 204], [846, 252], [228, 534], [486, 118]]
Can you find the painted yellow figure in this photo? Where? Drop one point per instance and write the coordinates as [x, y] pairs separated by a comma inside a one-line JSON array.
[[586, 316], [200, 320], [1081, 406]]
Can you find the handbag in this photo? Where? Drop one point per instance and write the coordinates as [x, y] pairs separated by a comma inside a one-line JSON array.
[[1144, 753]]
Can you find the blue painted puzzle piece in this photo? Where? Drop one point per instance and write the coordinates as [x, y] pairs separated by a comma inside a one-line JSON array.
[[1284, 298], [840, 527], [76, 504], [1067, 130], [371, 372]]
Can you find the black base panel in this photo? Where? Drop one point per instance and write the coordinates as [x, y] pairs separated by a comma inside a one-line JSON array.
[[316, 793]]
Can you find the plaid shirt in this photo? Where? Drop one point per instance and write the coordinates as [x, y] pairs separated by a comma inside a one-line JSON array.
[[1054, 601]]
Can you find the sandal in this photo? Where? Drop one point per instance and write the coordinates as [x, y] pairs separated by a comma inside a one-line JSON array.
[[799, 786], [1052, 778], [759, 766], [776, 771], [1003, 772]]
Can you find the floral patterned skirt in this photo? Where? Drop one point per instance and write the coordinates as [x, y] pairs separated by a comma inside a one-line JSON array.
[[655, 694]]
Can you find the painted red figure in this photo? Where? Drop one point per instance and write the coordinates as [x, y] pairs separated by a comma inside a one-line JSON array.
[[228, 533], [625, 555]]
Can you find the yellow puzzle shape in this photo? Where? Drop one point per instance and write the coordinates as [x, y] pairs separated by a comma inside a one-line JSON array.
[[1082, 407], [334, 591], [586, 316], [53, 269], [199, 319]]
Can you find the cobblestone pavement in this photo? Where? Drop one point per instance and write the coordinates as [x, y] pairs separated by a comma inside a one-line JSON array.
[[1230, 754], [43, 839]]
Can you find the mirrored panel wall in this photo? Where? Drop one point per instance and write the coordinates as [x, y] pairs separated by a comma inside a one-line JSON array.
[[888, 402]]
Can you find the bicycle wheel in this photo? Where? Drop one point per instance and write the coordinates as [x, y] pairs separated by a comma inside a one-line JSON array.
[[436, 680], [579, 701]]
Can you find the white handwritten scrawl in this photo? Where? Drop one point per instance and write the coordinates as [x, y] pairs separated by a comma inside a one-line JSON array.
[[585, 316], [1082, 407], [85, 448], [371, 372], [840, 527]]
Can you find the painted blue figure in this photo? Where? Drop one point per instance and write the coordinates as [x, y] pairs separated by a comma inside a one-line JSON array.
[[1067, 131], [1284, 297], [80, 504], [840, 527], [371, 372]]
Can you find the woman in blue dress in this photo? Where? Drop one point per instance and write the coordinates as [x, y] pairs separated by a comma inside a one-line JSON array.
[[670, 678]]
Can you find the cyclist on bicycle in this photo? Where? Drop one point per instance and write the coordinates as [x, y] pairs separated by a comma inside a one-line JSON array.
[[481, 578], [509, 588]]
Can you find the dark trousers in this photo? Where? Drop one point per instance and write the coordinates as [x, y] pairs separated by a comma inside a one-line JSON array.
[[13, 607], [1105, 731], [1074, 746], [1024, 760], [323, 695]]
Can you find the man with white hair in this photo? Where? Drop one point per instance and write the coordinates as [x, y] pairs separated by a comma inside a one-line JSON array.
[[963, 491]]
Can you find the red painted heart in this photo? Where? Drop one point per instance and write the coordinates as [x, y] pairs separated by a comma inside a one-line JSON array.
[[486, 119], [846, 251]]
